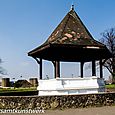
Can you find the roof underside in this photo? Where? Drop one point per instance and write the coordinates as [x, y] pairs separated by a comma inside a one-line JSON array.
[[71, 41]]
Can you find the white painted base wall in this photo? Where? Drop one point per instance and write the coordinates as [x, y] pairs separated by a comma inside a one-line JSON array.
[[71, 86]]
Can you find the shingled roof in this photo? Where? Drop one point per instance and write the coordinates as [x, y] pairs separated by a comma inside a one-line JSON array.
[[71, 32]]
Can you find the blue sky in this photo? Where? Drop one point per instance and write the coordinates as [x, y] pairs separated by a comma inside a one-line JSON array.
[[26, 24]]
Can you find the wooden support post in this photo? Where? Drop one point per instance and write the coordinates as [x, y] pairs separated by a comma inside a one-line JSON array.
[[57, 68], [40, 68], [93, 68], [101, 69], [82, 63]]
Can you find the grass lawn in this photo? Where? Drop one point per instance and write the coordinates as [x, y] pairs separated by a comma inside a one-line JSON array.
[[3, 90], [111, 86], [17, 89]]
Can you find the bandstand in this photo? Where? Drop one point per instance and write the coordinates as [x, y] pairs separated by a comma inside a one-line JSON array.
[[71, 42]]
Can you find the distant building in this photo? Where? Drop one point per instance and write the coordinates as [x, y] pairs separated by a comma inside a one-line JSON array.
[[22, 83], [5, 82], [34, 82]]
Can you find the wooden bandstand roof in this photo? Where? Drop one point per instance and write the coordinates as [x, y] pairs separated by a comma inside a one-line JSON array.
[[71, 41]]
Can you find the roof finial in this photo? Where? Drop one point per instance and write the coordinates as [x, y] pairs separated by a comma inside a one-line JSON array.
[[72, 7]]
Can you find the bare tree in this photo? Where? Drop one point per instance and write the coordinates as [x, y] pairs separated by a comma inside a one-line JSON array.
[[108, 38], [2, 70]]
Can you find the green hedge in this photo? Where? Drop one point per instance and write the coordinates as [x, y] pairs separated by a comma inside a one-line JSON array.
[[19, 93]]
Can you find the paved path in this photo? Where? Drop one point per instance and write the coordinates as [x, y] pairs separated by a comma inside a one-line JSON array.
[[84, 111]]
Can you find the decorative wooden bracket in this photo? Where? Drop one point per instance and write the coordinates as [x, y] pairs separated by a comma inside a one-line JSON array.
[[39, 61]]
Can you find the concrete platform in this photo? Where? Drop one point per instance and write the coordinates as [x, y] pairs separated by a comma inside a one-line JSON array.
[[71, 86]]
